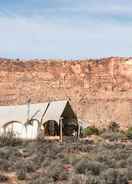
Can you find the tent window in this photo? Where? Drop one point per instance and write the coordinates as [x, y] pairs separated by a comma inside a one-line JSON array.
[[51, 128]]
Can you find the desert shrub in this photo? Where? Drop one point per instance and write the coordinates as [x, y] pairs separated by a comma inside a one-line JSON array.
[[93, 180], [112, 146], [88, 166], [44, 152], [112, 155], [21, 174], [41, 180], [120, 154], [129, 160], [79, 147], [4, 165], [38, 159], [9, 139], [49, 149], [129, 172], [114, 126], [72, 159], [57, 172], [90, 131], [3, 178], [26, 165], [8, 157], [78, 179], [106, 158], [54, 149], [121, 164], [29, 166], [10, 153], [103, 155], [46, 162], [114, 176], [129, 133], [113, 136], [5, 152], [129, 167]]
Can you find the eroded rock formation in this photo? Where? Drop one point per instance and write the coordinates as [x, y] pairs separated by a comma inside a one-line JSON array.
[[99, 90]]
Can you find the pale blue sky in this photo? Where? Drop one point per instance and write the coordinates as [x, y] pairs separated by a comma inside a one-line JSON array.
[[66, 29]]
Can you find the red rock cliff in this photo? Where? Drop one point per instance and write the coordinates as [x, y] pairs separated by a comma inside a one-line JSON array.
[[100, 90]]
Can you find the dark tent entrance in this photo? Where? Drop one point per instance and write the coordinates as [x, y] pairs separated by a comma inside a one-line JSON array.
[[60, 120], [51, 128]]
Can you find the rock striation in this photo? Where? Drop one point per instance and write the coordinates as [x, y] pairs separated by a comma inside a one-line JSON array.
[[99, 90]]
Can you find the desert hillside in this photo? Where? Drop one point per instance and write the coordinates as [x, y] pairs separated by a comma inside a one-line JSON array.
[[99, 90]]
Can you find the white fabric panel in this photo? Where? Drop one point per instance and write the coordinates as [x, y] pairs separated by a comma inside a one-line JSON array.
[[19, 113], [17, 129], [22, 131], [54, 111]]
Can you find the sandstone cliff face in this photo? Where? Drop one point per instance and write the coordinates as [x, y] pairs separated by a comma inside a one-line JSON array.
[[99, 90]]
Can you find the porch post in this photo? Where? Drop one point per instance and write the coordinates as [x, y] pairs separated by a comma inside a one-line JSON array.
[[28, 110], [39, 129], [78, 132], [61, 136], [44, 130]]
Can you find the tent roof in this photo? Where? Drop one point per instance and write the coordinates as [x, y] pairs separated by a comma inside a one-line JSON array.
[[19, 112], [57, 109], [53, 111]]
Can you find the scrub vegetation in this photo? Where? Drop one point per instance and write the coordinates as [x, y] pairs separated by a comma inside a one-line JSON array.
[[107, 159]]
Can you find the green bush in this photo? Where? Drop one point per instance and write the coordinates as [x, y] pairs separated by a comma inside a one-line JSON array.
[[90, 131], [129, 133], [89, 166]]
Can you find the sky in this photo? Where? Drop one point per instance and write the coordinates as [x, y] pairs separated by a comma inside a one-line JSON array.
[[65, 29]]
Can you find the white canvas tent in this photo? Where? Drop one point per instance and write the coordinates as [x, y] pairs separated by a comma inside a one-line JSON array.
[[13, 118], [58, 109], [62, 117]]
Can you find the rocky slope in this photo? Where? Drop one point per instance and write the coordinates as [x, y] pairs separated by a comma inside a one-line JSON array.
[[99, 90]]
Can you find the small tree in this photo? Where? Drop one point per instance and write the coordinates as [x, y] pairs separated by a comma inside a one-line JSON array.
[[114, 127], [91, 131]]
